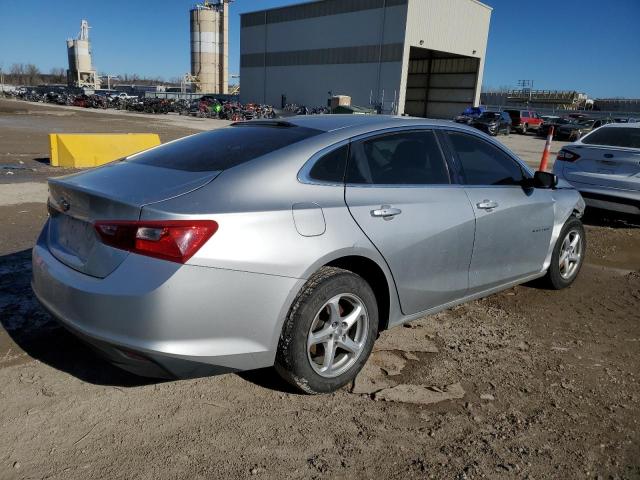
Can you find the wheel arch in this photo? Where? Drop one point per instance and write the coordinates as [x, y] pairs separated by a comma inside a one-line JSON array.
[[375, 276]]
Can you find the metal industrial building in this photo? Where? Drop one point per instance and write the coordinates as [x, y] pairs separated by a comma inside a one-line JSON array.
[[420, 57]]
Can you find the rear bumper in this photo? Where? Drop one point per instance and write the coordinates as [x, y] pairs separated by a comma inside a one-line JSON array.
[[606, 198], [606, 201], [156, 318]]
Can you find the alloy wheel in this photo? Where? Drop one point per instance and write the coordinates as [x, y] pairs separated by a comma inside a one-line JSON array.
[[338, 335], [570, 254]]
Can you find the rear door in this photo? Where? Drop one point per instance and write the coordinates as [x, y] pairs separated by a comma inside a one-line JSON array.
[[513, 224], [399, 192], [608, 157]]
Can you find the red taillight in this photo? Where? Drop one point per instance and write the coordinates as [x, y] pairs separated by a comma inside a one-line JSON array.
[[567, 156], [173, 240]]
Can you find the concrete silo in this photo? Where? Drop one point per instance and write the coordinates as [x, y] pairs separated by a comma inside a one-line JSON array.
[[81, 72], [210, 46]]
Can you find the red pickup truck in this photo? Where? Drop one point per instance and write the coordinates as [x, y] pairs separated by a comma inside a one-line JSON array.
[[524, 120]]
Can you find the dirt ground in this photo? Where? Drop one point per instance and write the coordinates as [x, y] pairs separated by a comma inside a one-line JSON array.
[[528, 383]]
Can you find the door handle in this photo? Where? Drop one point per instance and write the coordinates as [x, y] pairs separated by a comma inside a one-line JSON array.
[[487, 205], [386, 211]]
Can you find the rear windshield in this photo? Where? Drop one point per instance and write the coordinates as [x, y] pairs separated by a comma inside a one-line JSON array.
[[223, 148], [614, 137]]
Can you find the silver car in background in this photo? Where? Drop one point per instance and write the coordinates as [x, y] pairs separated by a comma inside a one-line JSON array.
[[294, 243], [605, 167]]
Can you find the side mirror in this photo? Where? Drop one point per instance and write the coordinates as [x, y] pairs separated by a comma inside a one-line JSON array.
[[544, 180]]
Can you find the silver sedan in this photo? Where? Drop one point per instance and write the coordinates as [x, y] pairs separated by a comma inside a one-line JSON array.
[[294, 243]]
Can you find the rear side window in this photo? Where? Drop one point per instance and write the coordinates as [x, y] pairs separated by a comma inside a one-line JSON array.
[[330, 168], [483, 163], [626, 137], [407, 158], [223, 148]]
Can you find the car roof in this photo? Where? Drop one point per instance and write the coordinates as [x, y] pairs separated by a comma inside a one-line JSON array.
[[621, 125], [331, 122]]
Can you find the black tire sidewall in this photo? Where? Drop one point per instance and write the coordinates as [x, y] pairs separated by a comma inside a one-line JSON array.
[[293, 362], [556, 280]]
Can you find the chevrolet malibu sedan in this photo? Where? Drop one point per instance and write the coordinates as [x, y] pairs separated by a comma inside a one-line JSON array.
[[295, 243]]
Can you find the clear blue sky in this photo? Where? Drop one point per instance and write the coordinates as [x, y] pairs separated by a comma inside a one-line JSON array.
[[587, 45]]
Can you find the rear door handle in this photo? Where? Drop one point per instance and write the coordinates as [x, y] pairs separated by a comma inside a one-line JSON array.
[[487, 205], [386, 211]]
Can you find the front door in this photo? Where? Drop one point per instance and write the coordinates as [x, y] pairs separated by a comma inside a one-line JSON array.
[[513, 224], [399, 192]]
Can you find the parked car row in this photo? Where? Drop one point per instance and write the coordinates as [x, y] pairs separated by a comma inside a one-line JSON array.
[[570, 127], [504, 121]]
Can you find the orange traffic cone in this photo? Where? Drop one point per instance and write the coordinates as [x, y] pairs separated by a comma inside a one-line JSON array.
[[545, 154]]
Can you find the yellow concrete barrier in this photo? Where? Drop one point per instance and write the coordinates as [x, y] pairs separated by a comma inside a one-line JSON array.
[[83, 150]]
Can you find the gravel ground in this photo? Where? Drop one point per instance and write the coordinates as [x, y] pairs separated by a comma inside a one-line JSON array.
[[528, 383]]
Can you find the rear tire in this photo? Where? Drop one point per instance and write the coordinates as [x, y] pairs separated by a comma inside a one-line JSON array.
[[525, 128], [568, 255], [329, 332]]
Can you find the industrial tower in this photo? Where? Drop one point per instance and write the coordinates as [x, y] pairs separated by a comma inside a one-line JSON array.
[[81, 72], [210, 46]]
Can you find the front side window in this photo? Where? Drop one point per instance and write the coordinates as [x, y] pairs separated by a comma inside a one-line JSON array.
[[483, 163], [409, 158]]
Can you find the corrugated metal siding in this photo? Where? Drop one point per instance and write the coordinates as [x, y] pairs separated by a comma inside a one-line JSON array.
[[455, 26], [313, 10], [356, 51], [351, 29], [325, 56], [459, 27]]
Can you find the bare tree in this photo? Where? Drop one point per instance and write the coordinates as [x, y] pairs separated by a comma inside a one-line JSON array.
[[33, 74], [57, 75], [16, 73]]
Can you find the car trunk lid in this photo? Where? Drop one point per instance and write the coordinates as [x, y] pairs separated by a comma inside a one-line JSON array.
[[117, 191], [605, 166]]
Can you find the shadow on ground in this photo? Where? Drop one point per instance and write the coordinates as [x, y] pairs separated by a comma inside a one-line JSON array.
[[605, 218], [42, 338]]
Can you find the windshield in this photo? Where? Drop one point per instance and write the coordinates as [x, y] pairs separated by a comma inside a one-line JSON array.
[[490, 115]]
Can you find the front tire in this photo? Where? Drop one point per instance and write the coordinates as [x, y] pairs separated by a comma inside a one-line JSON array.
[[329, 332], [568, 255]]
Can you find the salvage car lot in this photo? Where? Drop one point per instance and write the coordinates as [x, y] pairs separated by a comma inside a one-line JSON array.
[[540, 384]]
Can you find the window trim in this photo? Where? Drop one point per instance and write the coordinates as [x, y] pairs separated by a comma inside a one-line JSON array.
[[526, 171], [453, 166]]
